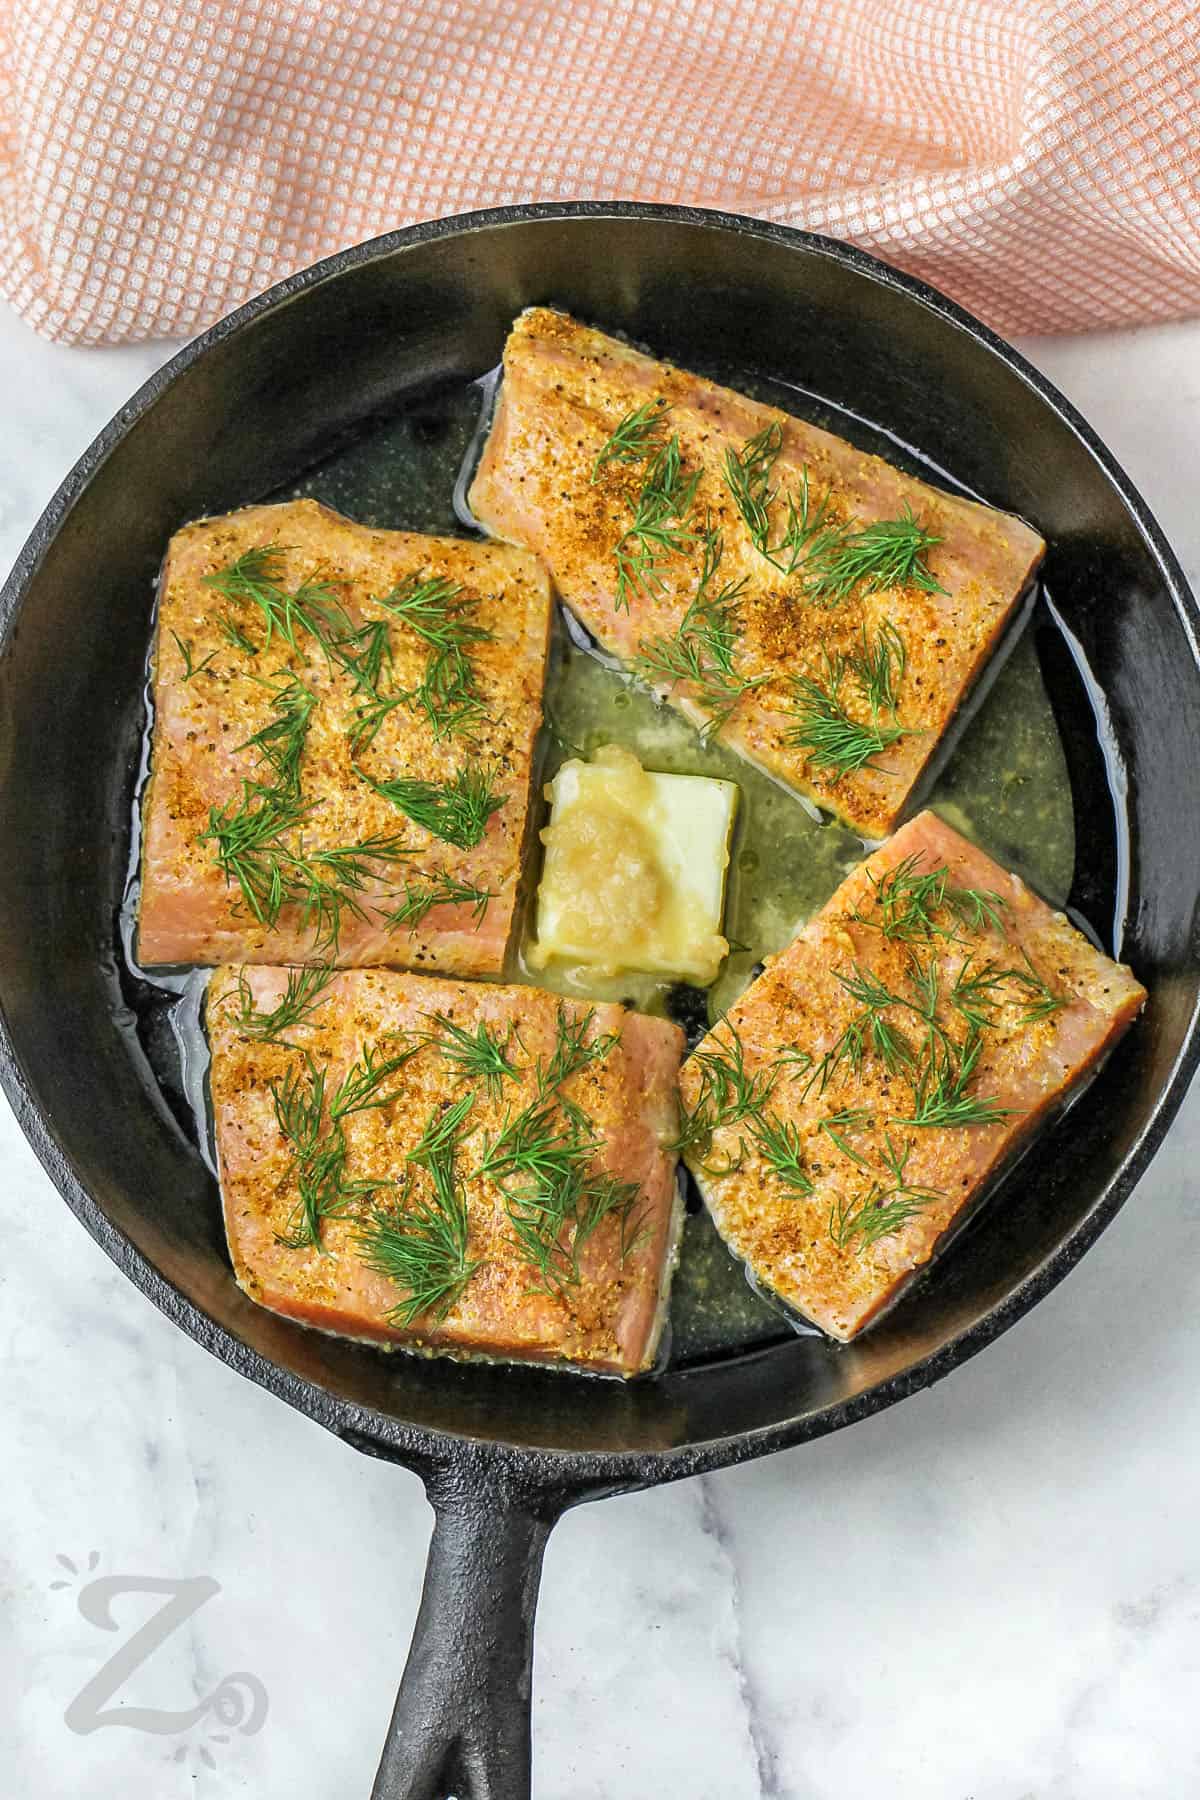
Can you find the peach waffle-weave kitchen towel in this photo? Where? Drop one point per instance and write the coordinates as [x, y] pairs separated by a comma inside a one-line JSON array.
[[161, 160]]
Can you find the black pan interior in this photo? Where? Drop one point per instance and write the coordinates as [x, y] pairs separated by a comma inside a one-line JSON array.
[[372, 339]]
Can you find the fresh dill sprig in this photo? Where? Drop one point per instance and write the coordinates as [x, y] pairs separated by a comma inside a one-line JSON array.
[[359, 1088], [885, 1208], [318, 1155], [838, 1125], [905, 900], [833, 559], [938, 1069], [829, 735], [556, 1199], [817, 1074], [251, 849], [442, 1128], [326, 884], [866, 987], [605, 1196], [661, 528], [538, 1158], [233, 634], [806, 527], [422, 1244], [365, 654], [251, 836], [440, 614], [748, 475], [977, 993], [456, 811], [702, 655], [638, 435], [874, 996], [779, 1143], [437, 887], [281, 741], [540, 1213], [253, 578], [349, 865], [712, 549], [553, 1220], [574, 1050], [248, 839], [437, 611], [448, 695], [255, 837], [190, 668], [295, 1007], [941, 1100], [1042, 1001], [729, 1093], [369, 716], [481, 1055], [538, 1143], [850, 1047], [887, 553], [977, 907], [925, 980], [833, 737], [878, 665], [872, 1027], [317, 1160], [869, 1029], [300, 1107], [895, 1160], [870, 1217], [908, 897]]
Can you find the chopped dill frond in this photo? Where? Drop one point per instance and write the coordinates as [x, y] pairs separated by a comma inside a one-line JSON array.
[[456, 811], [636, 437], [437, 887]]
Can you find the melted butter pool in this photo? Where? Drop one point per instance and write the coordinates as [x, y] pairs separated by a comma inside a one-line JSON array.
[[1006, 786]]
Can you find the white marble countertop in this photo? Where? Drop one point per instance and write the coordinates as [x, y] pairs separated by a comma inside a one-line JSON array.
[[991, 1592]]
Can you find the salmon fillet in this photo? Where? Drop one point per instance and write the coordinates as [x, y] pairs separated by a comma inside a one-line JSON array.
[[870, 1085], [594, 1296], [212, 695], [546, 481]]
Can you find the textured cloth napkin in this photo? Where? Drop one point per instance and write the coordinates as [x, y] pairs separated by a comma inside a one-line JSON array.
[[161, 160]]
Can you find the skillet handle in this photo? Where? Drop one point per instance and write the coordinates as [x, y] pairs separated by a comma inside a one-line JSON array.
[[461, 1723]]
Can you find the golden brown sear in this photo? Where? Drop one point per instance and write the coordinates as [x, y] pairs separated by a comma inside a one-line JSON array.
[[344, 723], [870, 1085], [828, 611], [468, 1168]]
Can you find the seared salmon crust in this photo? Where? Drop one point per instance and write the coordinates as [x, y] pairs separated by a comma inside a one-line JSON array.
[[566, 474], [873, 1082], [598, 1303], [224, 682]]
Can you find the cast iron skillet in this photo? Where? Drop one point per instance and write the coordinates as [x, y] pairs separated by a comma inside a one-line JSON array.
[[247, 407]]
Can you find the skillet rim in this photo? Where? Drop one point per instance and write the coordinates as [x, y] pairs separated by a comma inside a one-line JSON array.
[[424, 1448]]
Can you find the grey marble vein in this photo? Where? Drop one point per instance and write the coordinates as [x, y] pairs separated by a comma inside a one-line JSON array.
[[765, 1760]]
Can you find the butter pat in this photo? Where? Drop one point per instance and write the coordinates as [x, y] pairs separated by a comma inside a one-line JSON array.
[[634, 872]]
